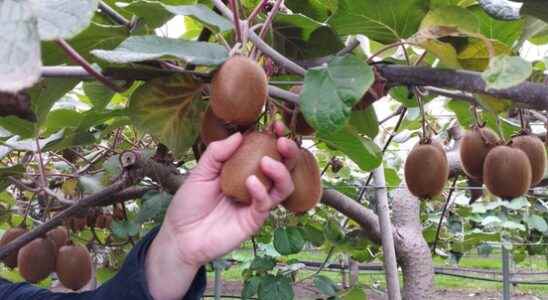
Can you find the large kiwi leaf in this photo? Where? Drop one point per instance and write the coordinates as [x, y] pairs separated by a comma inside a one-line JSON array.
[[169, 109]]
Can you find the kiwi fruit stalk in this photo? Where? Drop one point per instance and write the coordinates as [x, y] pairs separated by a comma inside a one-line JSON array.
[[426, 170], [301, 126], [474, 146], [212, 128], [246, 162], [238, 91], [308, 185], [10, 235], [535, 151], [507, 172], [59, 236], [73, 266], [36, 260]]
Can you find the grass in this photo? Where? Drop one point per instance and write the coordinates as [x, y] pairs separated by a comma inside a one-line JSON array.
[[492, 262]]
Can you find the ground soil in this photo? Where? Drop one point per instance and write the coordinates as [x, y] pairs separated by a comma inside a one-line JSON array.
[[307, 291]]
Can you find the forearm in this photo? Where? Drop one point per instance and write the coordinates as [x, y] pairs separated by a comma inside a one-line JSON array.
[[168, 277]]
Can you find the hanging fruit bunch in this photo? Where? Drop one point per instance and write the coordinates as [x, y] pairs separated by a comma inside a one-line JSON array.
[[509, 169], [239, 92]]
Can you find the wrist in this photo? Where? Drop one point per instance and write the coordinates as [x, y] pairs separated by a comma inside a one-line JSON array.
[[169, 276]]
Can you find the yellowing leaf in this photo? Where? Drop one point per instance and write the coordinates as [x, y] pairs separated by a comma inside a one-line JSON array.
[[69, 187], [475, 56], [170, 110]]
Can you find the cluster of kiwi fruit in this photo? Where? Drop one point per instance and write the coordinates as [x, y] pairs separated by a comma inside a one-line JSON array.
[[507, 170], [53, 252], [95, 218], [426, 169], [239, 91]]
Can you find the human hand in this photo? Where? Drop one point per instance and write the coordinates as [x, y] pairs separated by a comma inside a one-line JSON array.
[[202, 224]]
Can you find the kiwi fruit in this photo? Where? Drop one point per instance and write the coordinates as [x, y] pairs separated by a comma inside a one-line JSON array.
[[246, 162], [59, 236], [308, 185], [426, 170], [535, 151], [118, 213], [36, 260], [73, 266], [301, 126], [239, 90], [507, 172], [212, 128], [103, 221], [474, 146], [10, 235]]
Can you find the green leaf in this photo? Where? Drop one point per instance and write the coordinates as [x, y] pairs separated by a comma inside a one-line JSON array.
[[365, 121], [385, 23], [169, 109], [263, 263], [62, 118], [18, 126], [391, 176], [316, 9], [142, 48], [153, 13], [507, 32], [300, 37], [251, 287], [275, 288], [506, 71], [333, 232], [402, 95], [446, 20], [325, 285], [96, 36], [330, 92], [46, 93], [20, 46], [63, 19], [462, 112], [153, 207], [362, 150], [202, 13], [313, 234], [536, 222], [125, 229], [356, 293], [288, 240], [16, 170], [98, 93]]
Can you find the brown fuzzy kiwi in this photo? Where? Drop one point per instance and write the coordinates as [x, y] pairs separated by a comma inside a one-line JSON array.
[[103, 221], [59, 236], [213, 128], [308, 184], [239, 90], [118, 213], [301, 126], [474, 146], [246, 162], [507, 172], [426, 170], [73, 266], [36, 260], [536, 152], [10, 235]]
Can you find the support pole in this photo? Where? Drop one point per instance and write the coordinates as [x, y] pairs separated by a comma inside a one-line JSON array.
[[505, 274], [389, 253]]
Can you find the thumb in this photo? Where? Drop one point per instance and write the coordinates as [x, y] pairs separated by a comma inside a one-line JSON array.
[[216, 153]]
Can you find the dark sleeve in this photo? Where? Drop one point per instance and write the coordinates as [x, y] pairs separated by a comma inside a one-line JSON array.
[[128, 283]]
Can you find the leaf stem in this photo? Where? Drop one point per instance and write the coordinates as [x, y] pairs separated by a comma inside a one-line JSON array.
[[77, 58]]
